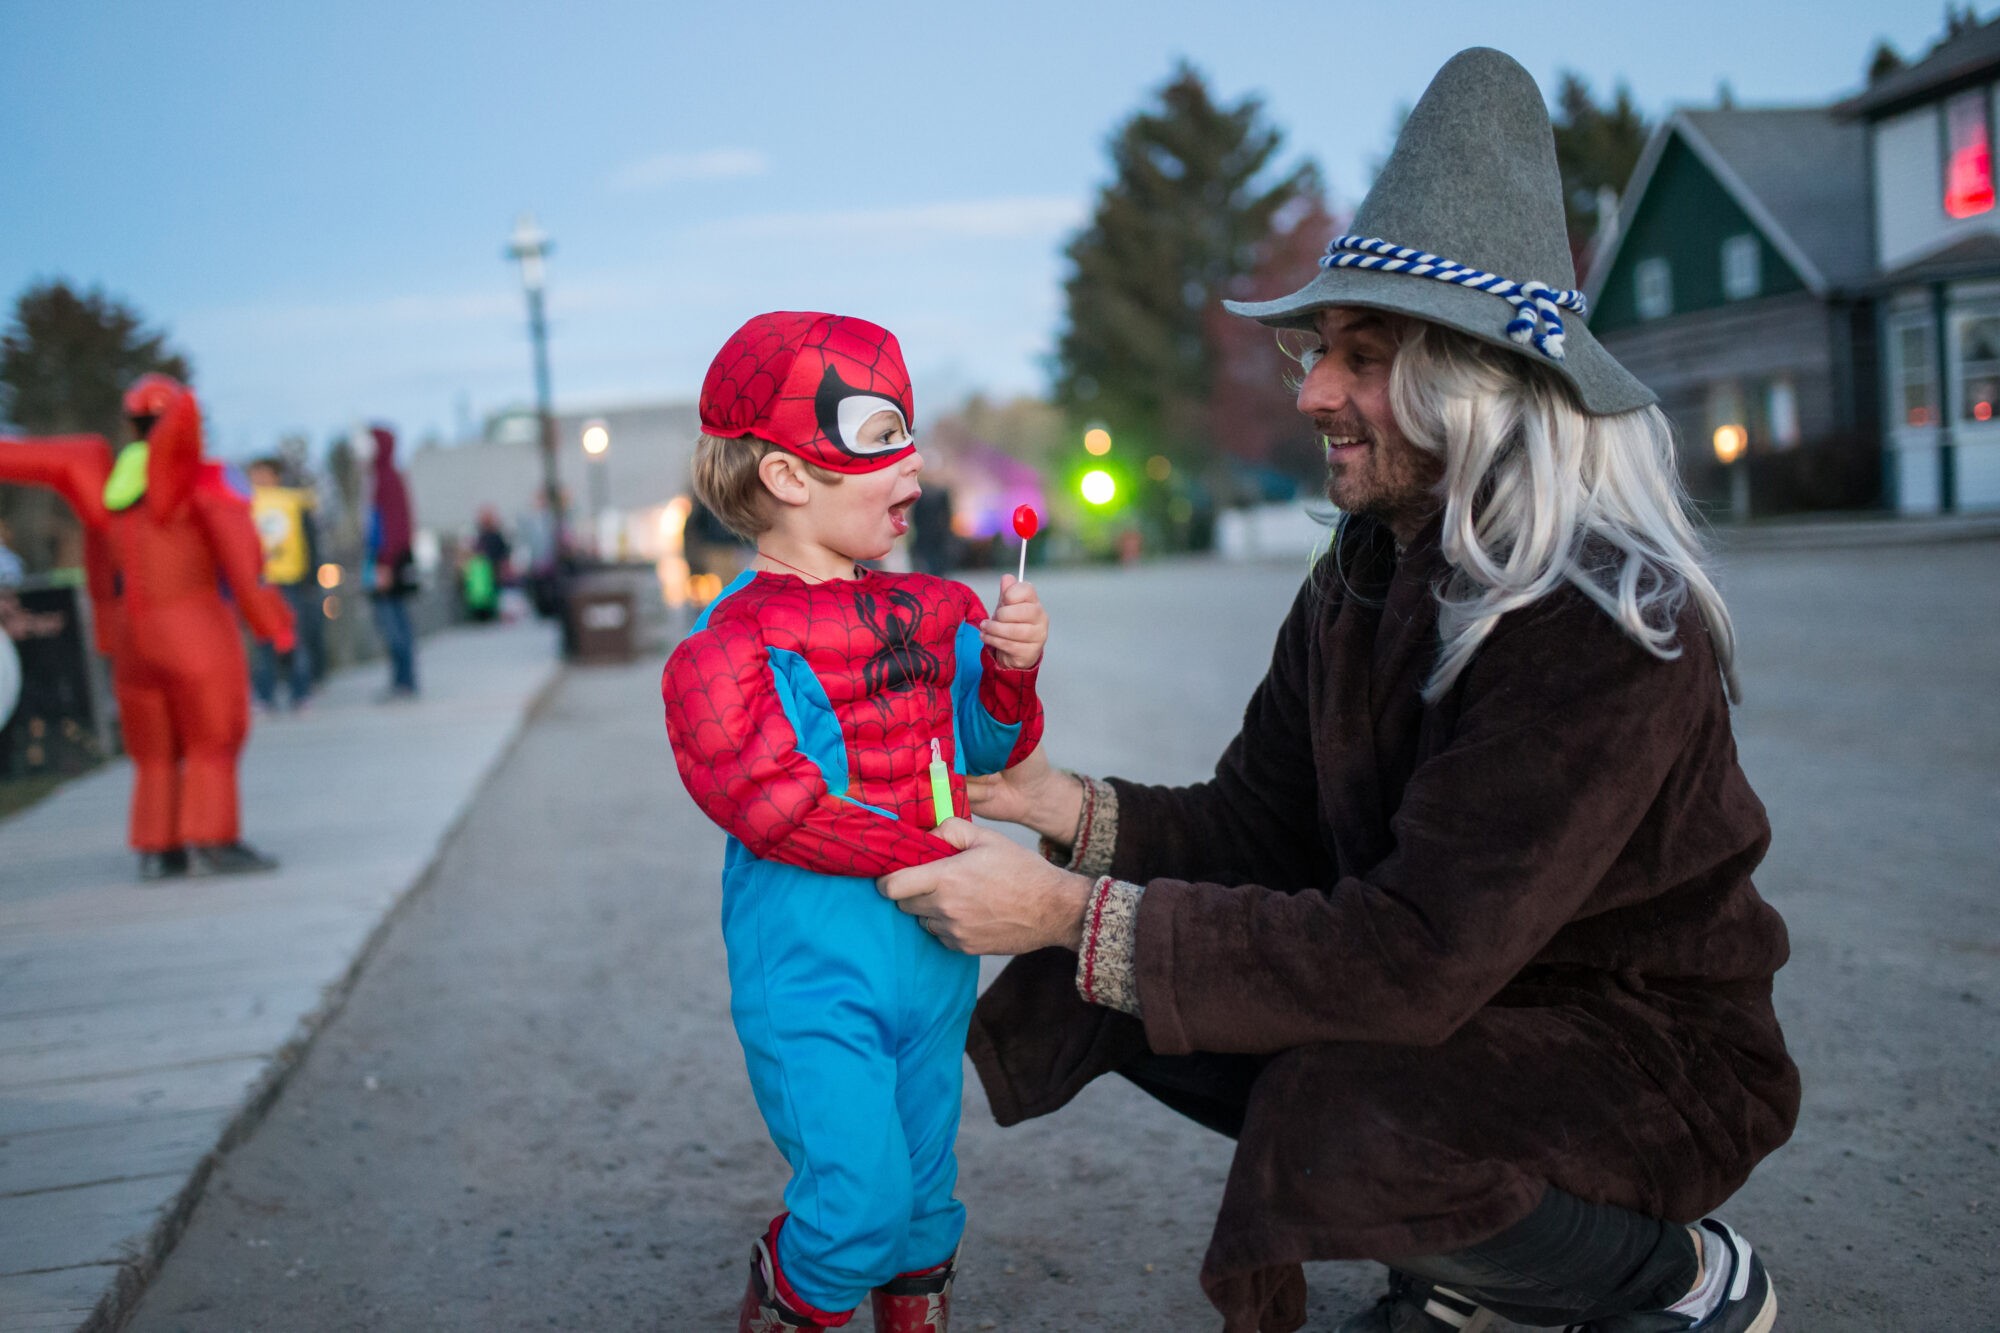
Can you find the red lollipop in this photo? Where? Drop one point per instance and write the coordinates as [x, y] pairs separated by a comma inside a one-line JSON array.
[[1026, 521]]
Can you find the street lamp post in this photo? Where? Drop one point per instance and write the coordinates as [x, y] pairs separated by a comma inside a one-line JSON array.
[[1730, 442], [530, 245]]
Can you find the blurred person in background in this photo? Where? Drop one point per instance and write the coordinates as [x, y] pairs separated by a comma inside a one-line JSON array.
[[930, 529], [390, 565], [290, 537], [487, 567], [166, 531], [11, 569]]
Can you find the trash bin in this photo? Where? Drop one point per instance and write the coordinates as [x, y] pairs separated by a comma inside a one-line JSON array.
[[602, 615]]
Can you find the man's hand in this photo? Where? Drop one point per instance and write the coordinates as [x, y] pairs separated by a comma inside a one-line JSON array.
[[1019, 627], [1032, 794], [994, 897]]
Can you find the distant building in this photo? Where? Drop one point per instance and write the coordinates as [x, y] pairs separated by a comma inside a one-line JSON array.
[[1930, 131], [1737, 285], [642, 469], [1815, 292]]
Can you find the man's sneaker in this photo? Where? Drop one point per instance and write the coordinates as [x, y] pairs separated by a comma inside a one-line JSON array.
[[228, 858], [1412, 1305], [1749, 1301], [170, 864]]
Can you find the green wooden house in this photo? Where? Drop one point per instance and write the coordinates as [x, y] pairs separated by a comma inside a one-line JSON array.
[[1735, 283]]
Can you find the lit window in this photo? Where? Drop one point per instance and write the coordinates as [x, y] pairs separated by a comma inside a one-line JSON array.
[[1968, 166], [1741, 274], [1781, 413], [1916, 376], [1978, 366], [1653, 284]]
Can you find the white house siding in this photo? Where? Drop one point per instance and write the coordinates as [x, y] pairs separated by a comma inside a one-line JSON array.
[[1915, 475], [1978, 468], [1915, 461], [646, 465], [1910, 221]]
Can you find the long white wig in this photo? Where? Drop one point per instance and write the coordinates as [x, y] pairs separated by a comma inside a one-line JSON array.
[[1538, 493]]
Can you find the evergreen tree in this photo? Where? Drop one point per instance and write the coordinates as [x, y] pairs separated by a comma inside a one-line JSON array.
[[67, 358], [65, 362], [1252, 407], [1190, 202], [1884, 62], [1596, 149]]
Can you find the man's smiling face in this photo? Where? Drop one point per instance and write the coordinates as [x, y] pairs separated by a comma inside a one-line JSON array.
[[1370, 467]]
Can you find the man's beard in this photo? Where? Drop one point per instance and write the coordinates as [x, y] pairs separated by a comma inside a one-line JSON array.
[[1393, 484]]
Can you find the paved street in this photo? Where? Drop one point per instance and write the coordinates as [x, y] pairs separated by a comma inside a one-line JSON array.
[[531, 1112]]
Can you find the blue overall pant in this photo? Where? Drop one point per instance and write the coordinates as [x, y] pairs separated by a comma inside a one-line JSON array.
[[852, 1020]]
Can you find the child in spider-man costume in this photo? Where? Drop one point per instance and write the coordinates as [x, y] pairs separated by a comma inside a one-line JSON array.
[[825, 715]]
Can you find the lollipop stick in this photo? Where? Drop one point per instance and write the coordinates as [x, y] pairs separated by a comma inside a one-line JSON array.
[[1023, 575]]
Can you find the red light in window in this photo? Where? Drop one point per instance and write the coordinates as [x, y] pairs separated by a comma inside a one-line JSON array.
[[1968, 172], [1920, 416], [1983, 411]]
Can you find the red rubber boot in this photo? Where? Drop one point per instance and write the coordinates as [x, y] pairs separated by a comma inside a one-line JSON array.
[[769, 1303], [918, 1302]]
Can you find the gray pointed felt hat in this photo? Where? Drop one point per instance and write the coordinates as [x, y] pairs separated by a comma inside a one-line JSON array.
[[1473, 185]]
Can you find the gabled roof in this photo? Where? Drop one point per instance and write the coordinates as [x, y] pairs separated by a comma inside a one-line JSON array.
[[1952, 61], [1800, 173], [1974, 256]]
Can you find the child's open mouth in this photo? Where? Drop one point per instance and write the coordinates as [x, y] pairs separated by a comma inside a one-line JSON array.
[[899, 514]]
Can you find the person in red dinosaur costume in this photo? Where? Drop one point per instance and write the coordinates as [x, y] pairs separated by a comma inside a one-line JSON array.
[[164, 531], [826, 716]]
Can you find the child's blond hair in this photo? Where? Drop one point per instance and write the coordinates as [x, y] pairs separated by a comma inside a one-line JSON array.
[[726, 481]]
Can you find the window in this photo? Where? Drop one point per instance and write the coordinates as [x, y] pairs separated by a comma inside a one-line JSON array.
[[1781, 413], [1741, 274], [1916, 375], [1978, 366], [1653, 284], [1968, 163]]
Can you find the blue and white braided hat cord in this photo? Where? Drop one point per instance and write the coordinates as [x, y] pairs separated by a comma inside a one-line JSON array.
[[1538, 307]]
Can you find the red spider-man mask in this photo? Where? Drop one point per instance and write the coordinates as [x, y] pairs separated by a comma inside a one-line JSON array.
[[807, 382]]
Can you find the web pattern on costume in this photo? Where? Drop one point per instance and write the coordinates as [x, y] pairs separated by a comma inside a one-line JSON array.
[[737, 391], [881, 648]]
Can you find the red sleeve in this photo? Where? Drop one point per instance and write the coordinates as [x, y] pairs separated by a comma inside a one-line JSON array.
[[740, 759], [74, 467], [232, 538], [1007, 695]]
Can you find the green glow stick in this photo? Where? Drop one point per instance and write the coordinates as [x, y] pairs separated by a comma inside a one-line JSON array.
[[940, 784]]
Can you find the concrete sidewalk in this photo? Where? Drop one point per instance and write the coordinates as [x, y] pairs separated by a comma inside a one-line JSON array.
[[140, 1026]]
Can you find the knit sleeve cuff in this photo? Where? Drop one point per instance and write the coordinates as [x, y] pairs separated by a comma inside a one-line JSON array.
[[1096, 838], [1106, 966]]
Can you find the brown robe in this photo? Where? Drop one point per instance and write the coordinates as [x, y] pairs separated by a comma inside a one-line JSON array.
[[1500, 942]]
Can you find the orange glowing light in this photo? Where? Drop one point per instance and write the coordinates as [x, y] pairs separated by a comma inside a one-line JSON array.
[[1730, 442], [329, 576], [1982, 411], [1097, 441], [703, 589]]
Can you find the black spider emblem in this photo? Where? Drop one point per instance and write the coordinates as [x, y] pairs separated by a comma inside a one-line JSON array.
[[902, 662]]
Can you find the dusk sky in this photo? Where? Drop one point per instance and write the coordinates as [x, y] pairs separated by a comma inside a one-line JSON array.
[[314, 200]]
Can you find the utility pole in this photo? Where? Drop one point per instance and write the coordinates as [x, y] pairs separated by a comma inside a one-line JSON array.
[[530, 245]]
